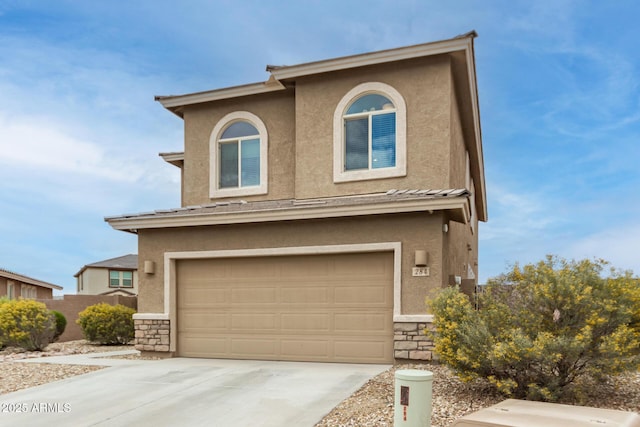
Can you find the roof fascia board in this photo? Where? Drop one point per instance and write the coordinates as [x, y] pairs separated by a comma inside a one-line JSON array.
[[287, 214], [473, 87], [175, 159], [175, 101], [380, 57], [28, 280]]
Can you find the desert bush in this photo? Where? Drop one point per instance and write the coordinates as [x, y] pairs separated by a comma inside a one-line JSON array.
[[61, 324], [27, 324], [542, 330], [107, 324]]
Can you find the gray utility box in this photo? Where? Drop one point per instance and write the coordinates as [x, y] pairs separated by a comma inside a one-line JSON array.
[[522, 413]]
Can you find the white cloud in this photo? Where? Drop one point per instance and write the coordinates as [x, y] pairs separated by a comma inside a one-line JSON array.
[[36, 142], [618, 244]]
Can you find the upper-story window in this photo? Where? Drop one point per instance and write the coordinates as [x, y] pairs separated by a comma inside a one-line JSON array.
[[238, 148], [120, 279], [370, 134]]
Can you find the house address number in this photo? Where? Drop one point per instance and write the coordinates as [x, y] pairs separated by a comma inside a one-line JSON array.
[[420, 271]]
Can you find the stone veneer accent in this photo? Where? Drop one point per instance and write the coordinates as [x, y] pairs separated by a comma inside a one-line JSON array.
[[411, 342], [152, 335]]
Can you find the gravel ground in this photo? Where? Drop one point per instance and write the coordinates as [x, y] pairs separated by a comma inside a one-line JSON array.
[[372, 405], [16, 376]]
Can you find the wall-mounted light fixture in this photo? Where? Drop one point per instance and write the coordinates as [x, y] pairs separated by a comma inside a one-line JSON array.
[[149, 267], [421, 258], [445, 227]]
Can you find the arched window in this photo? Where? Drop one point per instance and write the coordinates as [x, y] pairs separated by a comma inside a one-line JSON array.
[[238, 147], [369, 134]]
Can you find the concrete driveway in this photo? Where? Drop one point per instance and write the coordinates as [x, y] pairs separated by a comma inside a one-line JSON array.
[[187, 392]]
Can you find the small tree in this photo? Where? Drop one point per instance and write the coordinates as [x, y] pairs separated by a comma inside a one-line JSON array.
[[27, 324], [107, 324], [542, 328]]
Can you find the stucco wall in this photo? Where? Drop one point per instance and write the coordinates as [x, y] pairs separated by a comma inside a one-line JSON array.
[[460, 243], [425, 85], [415, 231], [300, 131], [276, 110]]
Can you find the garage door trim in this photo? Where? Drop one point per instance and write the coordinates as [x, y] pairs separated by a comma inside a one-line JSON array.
[[170, 258]]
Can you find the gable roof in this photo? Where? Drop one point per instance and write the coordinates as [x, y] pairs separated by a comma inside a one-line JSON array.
[[28, 280], [126, 262], [454, 201]]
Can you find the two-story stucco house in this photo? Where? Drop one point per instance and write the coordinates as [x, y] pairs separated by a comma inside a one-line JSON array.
[[319, 209], [114, 276]]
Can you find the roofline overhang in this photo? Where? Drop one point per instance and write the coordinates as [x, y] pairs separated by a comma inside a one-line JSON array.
[[458, 209], [176, 159], [29, 280], [477, 130], [457, 43], [174, 103]]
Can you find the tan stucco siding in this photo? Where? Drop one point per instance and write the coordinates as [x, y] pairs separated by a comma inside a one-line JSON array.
[[44, 293], [458, 157], [425, 85], [414, 231], [276, 112]]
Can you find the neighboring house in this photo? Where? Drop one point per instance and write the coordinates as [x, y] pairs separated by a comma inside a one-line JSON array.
[[319, 210], [115, 276], [13, 285]]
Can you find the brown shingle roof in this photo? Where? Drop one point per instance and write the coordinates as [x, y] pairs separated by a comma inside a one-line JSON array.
[[126, 262]]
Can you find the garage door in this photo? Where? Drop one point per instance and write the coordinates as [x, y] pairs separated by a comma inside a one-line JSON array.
[[328, 308]]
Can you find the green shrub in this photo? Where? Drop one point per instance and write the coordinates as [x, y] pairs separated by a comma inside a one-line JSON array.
[[61, 324], [2, 300], [542, 330], [107, 324], [27, 324]]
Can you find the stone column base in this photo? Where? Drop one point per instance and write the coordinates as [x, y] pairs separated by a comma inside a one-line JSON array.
[[152, 335], [411, 342]]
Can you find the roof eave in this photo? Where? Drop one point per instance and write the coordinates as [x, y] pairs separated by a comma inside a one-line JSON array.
[[175, 159], [457, 208], [380, 57], [29, 280], [175, 103]]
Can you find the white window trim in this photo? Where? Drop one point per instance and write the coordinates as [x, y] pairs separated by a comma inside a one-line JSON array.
[[339, 174], [11, 290], [214, 191]]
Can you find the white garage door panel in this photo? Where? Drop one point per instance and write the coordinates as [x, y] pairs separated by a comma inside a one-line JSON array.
[[311, 308]]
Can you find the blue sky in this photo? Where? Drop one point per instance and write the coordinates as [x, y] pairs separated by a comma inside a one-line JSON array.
[[80, 132]]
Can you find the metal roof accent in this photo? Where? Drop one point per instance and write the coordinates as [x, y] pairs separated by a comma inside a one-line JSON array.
[[237, 212]]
